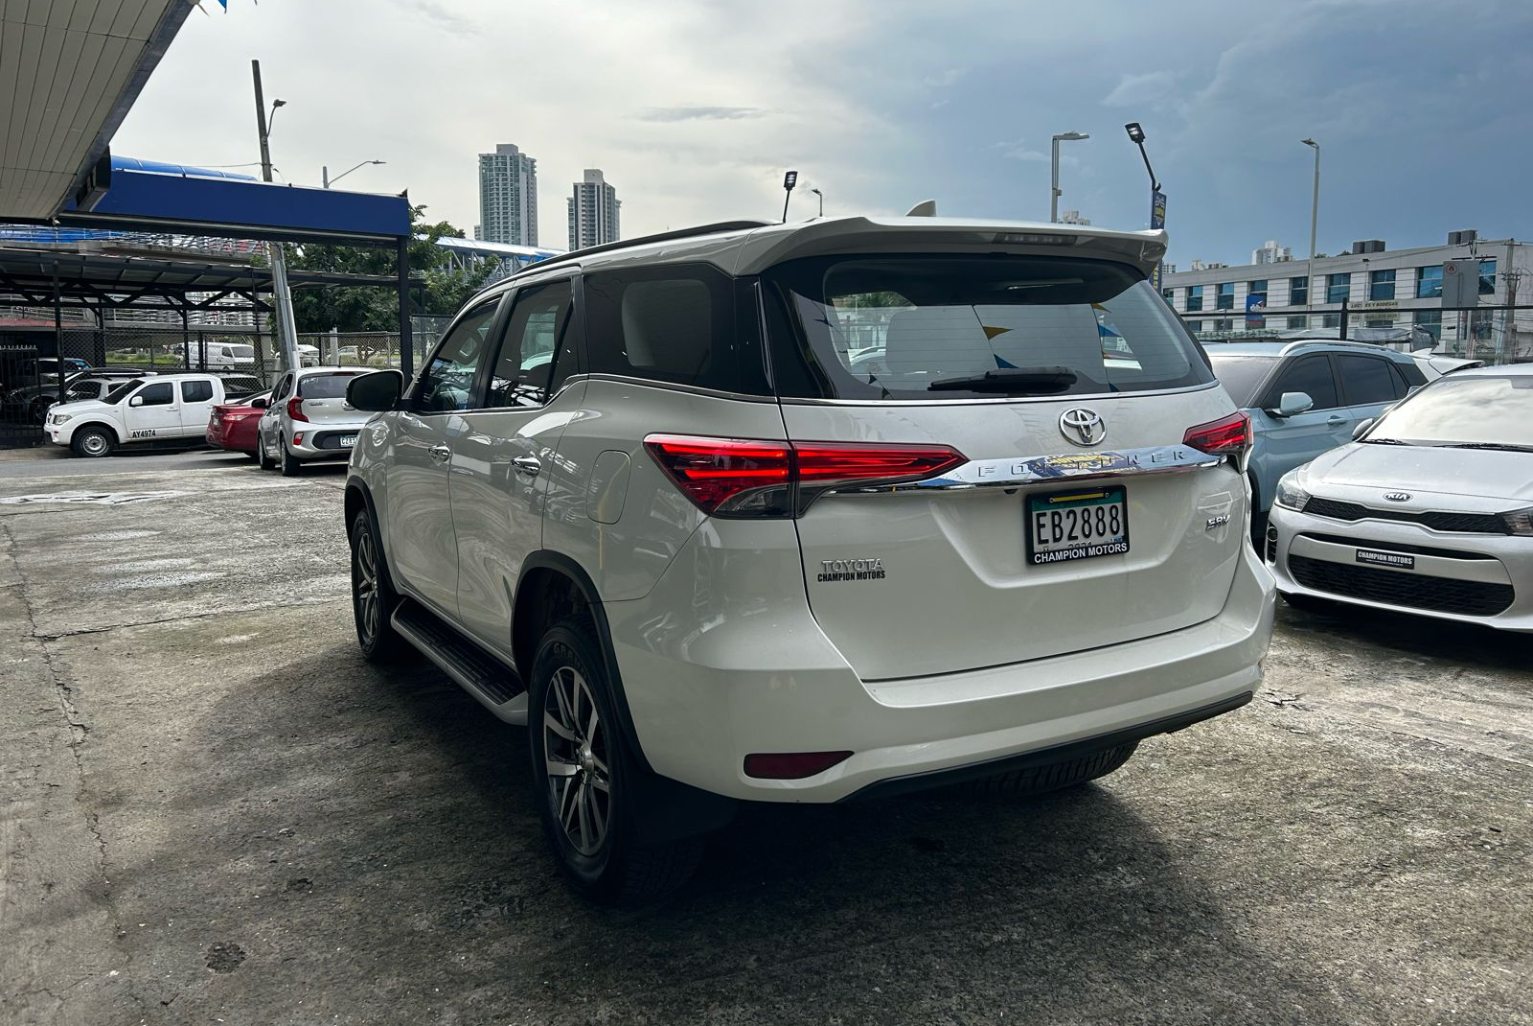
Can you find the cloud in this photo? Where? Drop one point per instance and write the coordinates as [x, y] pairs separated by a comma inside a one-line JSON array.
[[667, 114], [1149, 89], [445, 19], [1018, 151]]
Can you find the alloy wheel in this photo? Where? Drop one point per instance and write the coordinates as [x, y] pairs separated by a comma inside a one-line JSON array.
[[576, 762], [365, 586]]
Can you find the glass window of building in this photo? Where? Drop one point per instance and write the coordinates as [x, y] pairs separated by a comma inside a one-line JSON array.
[[1330, 320], [1224, 324], [1337, 287], [1429, 282], [1226, 297], [1381, 285], [1298, 321], [1169, 295], [1298, 292], [1487, 277], [1194, 298], [1381, 321], [1431, 320], [1194, 326]]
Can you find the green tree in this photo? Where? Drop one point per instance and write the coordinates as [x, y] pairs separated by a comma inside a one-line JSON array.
[[370, 308]]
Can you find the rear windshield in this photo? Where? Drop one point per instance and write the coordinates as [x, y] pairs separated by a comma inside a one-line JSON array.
[[324, 386], [1240, 375], [953, 327]]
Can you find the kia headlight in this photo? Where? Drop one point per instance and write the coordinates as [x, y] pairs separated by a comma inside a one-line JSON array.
[[1289, 494], [1519, 522]]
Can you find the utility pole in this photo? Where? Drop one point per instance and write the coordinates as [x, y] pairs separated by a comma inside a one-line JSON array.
[[287, 333], [1314, 221]]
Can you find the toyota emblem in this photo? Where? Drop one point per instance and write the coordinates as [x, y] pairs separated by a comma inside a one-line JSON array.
[[1082, 426]]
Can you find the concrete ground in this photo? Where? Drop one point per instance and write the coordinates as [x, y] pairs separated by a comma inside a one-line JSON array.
[[211, 810]]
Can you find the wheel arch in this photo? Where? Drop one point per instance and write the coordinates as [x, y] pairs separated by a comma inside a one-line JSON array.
[[105, 425], [549, 584]]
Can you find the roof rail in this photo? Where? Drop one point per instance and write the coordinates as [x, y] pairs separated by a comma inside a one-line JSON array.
[[644, 240]]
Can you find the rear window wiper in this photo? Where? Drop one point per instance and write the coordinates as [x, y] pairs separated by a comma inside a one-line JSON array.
[[1507, 446], [1016, 380]]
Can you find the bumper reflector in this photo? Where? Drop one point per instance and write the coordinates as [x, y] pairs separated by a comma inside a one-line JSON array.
[[791, 765]]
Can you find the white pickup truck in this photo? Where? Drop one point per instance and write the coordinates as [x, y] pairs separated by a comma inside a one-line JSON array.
[[168, 409]]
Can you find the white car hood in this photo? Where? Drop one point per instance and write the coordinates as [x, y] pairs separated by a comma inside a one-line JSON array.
[[1422, 470], [80, 406]]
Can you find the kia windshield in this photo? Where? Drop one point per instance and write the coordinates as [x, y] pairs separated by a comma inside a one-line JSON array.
[[1479, 411]]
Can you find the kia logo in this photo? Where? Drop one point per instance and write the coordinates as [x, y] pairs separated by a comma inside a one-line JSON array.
[[1082, 426], [1397, 496]]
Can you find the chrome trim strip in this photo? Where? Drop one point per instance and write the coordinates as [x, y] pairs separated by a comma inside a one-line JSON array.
[[1070, 398], [672, 386], [1061, 467]]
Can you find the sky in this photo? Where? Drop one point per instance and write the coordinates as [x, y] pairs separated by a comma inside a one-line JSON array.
[[694, 109]]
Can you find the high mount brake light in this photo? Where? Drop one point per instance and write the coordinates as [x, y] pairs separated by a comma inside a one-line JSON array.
[[1227, 436], [754, 478]]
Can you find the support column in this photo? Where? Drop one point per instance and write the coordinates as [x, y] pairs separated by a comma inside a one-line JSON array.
[[406, 352], [58, 329]]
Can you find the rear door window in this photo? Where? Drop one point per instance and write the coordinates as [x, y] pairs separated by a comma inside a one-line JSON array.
[[1310, 375], [1367, 380], [950, 327], [196, 391]]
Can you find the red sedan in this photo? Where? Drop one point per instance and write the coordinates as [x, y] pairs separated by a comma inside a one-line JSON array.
[[232, 426]]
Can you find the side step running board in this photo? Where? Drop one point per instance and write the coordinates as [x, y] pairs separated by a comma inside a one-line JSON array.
[[496, 686]]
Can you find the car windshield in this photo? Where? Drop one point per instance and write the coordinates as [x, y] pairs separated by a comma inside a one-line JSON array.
[[1479, 411], [116, 394], [1240, 375], [324, 386], [942, 327]]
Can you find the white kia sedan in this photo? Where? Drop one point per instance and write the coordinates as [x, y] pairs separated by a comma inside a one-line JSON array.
[[1429, 511]]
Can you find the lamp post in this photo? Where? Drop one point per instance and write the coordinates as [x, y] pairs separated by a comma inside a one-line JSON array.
[[287, 330], [324, 172], [1314, 221], [820, 194], [1157, 198], [1054, 192], [789, 180]]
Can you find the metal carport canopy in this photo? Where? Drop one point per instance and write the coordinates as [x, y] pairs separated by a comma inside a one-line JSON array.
[[69, 72]]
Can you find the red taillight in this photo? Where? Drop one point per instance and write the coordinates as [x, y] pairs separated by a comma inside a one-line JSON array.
[[747, 477], [1227, 436], [791, 765], [295, 408]]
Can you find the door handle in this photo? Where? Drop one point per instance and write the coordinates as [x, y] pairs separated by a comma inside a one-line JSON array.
[[529, 465], [1336, 421], [439, 453]]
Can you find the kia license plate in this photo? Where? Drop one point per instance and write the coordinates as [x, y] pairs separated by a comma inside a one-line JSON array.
[[347, 441], [1078, 524]]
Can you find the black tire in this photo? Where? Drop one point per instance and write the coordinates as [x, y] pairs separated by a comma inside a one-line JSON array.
[[604, 860], [93, 442], [370, 580], [38, 410], [262, 460], [291, 464], [1056, 775]]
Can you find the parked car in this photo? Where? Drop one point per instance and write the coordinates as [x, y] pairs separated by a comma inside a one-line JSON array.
[[1305, 397], [308, 419], [707, 562], [1429, 512], [1435, 365], [232, 426], [34, 402], [165, 410]]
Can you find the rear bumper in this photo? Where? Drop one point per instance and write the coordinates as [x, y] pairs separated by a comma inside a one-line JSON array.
[[753, 673], [323, 442]]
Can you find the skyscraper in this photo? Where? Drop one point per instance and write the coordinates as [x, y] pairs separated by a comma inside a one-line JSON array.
[[593, 211], [508, 196]]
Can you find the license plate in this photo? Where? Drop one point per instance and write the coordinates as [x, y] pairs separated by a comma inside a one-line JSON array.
[[1080, 524], [1393, 560], [347, 441]]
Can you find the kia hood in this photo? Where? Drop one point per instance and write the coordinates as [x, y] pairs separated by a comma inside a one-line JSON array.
[[1482, 473]]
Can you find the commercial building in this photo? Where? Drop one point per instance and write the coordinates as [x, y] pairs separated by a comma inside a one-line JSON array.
[[1380, 287], [1271, 253], [593, 211], [508, 197]]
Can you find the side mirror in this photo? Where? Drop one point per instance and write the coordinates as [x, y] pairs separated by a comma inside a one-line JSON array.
[[137, 400], [375, 392], [1362, 428], [1292, 403], [259, 404]]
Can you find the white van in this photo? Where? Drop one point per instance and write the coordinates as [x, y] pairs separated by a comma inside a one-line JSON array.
[[165, 409]]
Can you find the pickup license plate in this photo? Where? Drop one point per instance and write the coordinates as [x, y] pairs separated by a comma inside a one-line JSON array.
[[347, 441], [1079, 524]]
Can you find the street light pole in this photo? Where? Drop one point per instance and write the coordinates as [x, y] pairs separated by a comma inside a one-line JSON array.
[[820, 194], [1314, 221], [327, 181], [286, 331], [1054, 192]]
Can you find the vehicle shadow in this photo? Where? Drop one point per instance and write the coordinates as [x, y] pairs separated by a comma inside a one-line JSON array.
[[1461, 644], [388, 826]]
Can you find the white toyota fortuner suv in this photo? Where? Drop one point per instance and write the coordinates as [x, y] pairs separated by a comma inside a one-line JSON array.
[[811, 513]]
